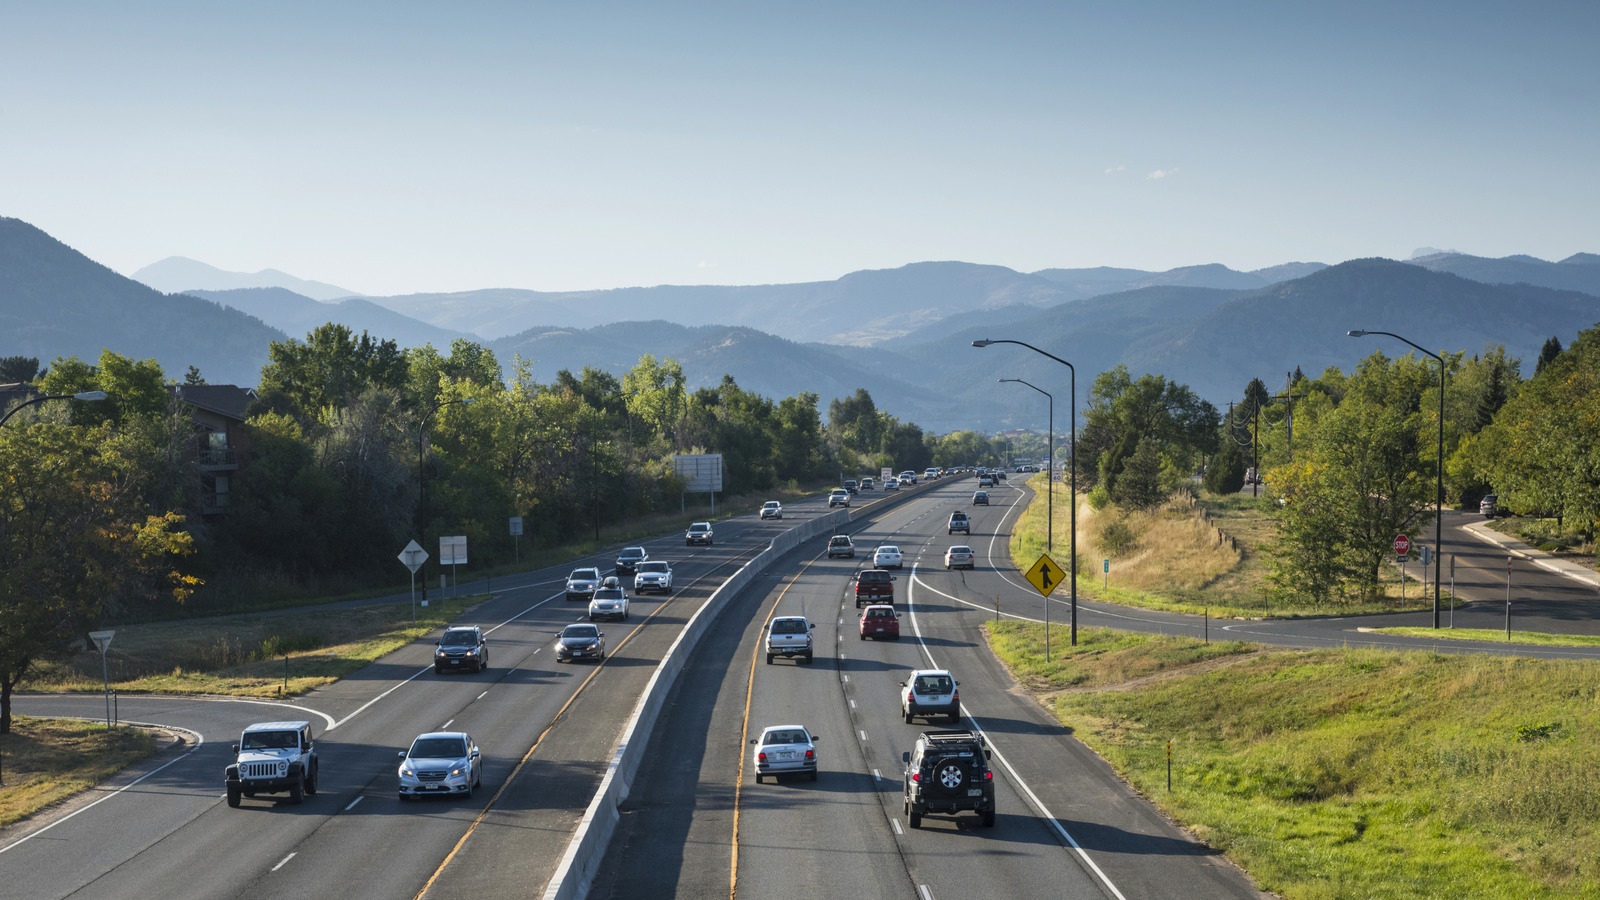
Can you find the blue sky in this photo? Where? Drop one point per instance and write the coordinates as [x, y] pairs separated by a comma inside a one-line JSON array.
[[396, 147]]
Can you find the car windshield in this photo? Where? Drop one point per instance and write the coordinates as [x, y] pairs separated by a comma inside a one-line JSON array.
[[700, 526], [840, 540], [438, 748], [878, 612], [874, 575], [270, 740], [585, 575], [653, 567], [933, 684], [771, 504], [459, 639], [785, 736], [789, 626], [580, 631], [631, 553], [959, 550], [608, 594]]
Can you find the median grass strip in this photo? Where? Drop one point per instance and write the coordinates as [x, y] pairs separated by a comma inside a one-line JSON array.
[[1347, 773], [47, 760], [253, 655]]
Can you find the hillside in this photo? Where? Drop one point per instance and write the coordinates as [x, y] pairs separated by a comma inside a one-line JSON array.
[[177, 274], [1578, 272], [54, 301], [297, 316]]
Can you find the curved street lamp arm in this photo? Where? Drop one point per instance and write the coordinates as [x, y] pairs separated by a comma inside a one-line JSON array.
[[82, 395]]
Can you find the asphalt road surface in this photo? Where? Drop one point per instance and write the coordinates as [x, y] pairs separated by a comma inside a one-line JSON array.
[[547, 730]]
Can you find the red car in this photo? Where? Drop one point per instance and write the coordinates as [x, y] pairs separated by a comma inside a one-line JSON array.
[[880, 622]]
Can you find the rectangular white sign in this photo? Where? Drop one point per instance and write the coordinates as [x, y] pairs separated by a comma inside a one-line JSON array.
[[453, 550]]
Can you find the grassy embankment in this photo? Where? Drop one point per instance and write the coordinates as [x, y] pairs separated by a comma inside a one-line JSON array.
[[1336, 773], [1191, 555], [48, 760], [1346, 773]]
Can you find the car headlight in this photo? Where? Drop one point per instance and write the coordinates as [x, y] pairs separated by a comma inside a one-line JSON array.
[[407, 771], [459, 770]]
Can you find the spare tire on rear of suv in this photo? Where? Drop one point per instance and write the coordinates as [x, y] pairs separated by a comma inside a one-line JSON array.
[[949, 776]]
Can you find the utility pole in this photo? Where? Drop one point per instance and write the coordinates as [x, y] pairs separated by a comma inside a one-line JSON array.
[[1255, 450], [1288, 392]]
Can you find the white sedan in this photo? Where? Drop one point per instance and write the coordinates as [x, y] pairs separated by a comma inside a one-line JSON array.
[[891, 484], [785, 748], [887, 557], [959, 557], [772, 509]]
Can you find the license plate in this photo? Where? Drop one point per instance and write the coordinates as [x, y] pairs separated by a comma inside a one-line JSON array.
[[786, 754], [974, 792], [880, 629], [455, 662]]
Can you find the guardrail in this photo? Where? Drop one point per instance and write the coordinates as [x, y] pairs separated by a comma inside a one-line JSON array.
[[588, 844]]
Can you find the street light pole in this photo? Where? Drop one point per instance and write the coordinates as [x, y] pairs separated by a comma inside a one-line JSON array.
[[1073, 518], [422, 485], [1050, 503], [84, 395], [1438, 496]]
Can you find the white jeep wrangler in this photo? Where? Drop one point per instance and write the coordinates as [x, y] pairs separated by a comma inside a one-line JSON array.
[[273, 757]]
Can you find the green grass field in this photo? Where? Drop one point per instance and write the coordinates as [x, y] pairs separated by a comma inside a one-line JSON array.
[[1346, 773]]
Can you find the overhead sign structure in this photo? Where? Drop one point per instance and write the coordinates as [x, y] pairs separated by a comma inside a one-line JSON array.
[[1045, 575]]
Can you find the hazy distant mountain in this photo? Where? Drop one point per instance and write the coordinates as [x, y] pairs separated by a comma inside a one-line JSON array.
[[1216, 341], [297, 316], [54, 301], [858, 308], [177, 274], [758, 361], [1082, 283], [1578, 272]]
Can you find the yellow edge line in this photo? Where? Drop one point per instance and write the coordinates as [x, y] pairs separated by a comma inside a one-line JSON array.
[[478, 820], [744, 729]]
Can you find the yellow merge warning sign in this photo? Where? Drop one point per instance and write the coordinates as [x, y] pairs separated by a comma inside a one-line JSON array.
[[1045, 574]]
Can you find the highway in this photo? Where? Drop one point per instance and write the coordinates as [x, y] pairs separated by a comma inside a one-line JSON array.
[[697, 824], [547, 730]]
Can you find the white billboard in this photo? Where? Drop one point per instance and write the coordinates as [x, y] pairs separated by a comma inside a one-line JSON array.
[[699, 471]]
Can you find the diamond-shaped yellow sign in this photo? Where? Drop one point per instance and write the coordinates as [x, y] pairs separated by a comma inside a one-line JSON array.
[[1045, 574]]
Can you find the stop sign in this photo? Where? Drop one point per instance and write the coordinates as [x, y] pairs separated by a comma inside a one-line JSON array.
[[1402, 545]]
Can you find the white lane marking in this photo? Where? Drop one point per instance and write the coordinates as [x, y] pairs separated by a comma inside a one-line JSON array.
[[911, 610], [352, 804], [852, 704], [863, 734], [844, 677], [427, 668], [481, 696], [282, 861], [446, 725], [896, 823], [876, 774], [200, 741], [926, 894]]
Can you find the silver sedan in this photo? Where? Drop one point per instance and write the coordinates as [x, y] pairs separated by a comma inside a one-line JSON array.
[[785, 748]]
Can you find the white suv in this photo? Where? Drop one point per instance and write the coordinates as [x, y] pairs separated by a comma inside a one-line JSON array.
[[271, 758], [653, 575], [929, 693]]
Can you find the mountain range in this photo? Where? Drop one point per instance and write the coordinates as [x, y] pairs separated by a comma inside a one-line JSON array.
[[903, 334]]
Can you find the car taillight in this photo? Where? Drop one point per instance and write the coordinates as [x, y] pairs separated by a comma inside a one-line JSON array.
[[761, 757], [811, 754], [916, 776], [955, 696], [910, 696], [988, 776]]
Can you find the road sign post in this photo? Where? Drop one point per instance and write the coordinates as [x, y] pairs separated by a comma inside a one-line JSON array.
[[102, 641], [1044, 576], [1508, 598], [412, 557], [516, 535], [1452, 590]]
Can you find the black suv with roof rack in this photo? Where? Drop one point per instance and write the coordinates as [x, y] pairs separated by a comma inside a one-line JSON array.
[[947, 772]]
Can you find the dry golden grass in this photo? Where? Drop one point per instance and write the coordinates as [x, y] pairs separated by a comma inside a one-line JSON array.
[[48, 760]]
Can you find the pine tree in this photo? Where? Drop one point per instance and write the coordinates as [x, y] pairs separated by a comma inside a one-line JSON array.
[[1547, 354]]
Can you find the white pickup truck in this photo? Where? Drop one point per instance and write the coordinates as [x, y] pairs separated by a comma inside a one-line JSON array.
[[788, 637]]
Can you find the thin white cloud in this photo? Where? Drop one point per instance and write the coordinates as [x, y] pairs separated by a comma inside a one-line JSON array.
[[705, 265], [1162, 173], [1115, 169]]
